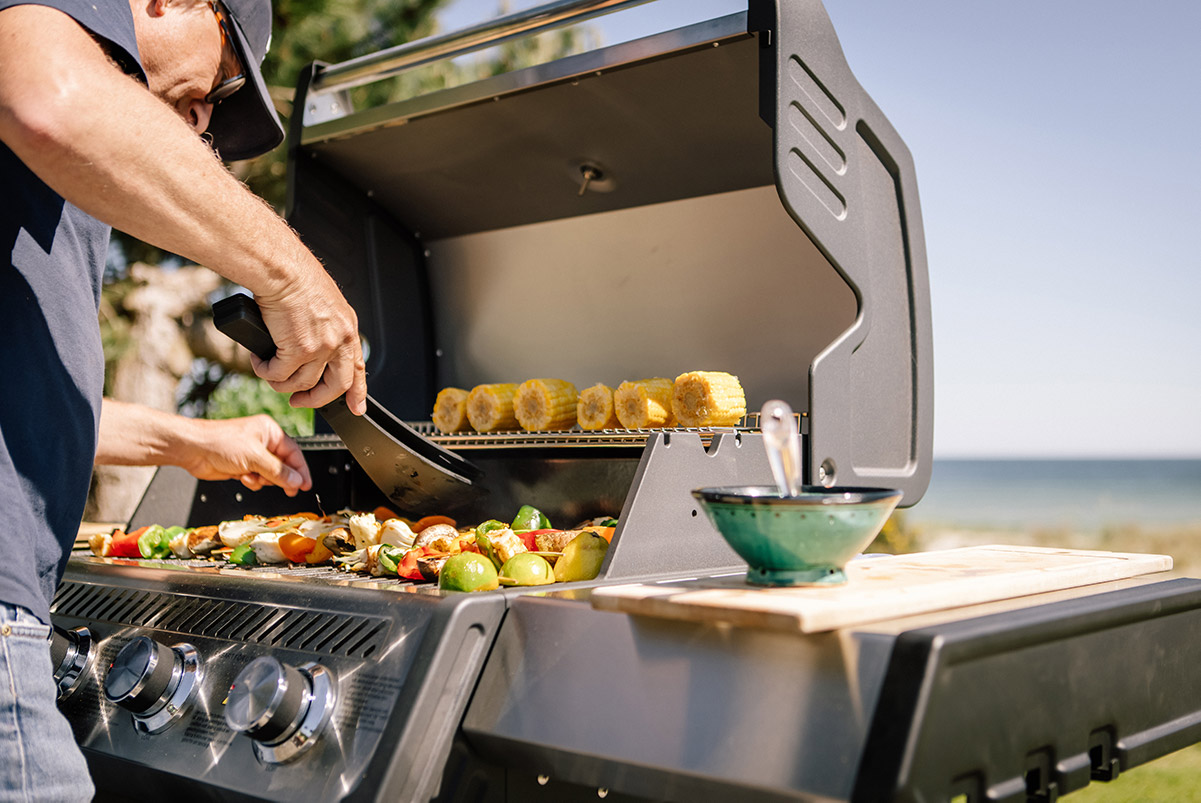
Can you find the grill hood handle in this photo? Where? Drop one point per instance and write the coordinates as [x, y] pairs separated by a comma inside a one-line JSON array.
[[413, 471]]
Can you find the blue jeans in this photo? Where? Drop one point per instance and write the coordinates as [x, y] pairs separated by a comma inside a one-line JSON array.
[[39, 759]]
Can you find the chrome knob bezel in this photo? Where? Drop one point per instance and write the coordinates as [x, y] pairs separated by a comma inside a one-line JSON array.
[[184, 679], [318, 708], [177, 694], [69, 674]]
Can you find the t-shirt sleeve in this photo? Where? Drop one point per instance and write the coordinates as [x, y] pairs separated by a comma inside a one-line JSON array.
[[108, 20]]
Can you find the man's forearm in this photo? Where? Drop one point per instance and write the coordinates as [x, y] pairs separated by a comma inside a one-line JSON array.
[[104, 143], [136, 435]]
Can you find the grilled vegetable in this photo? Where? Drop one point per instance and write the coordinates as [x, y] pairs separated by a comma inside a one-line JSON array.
[[296, 547], [530, 518], [582, 558], [595, 408], [243, 555], [395, 532], [364, 529], [467, 572], [428, 521], [266, 548], [389, 558], [235, 533], [490, 407], [450, 410], [125, 545], [439, 538], [320, 554], [338, 541], [554, 540], [430, 566], [101, 544], [708, 399], [178, 542], [545, 404], [526, 569], [203, 540], [644, 403], [154, 542]]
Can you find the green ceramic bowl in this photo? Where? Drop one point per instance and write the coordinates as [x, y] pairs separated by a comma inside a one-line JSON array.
[[797, 540]]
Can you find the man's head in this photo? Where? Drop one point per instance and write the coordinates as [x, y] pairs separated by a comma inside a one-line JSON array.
[[202, 58]]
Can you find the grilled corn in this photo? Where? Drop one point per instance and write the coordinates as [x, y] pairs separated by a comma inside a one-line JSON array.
[[595, 409], [545, 404], [644, 404], [490, 407], [450, 410], [708, 399]]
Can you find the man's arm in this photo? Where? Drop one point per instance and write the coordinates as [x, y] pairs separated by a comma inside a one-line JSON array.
[[103, 142], [254, 450]]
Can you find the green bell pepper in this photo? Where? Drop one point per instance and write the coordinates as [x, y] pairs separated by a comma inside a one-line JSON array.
[[154, 543], [530, 518], [243, 556], [389, 558]]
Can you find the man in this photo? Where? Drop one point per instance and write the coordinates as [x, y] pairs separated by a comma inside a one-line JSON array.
[[101, 104]]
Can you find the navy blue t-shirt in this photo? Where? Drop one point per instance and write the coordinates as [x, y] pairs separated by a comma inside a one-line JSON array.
[[50, 349]]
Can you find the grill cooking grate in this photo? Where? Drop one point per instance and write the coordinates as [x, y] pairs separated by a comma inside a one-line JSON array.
[[535, 440], [270, 625]]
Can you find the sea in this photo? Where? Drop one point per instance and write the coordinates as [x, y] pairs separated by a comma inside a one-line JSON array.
[[1086, 496]]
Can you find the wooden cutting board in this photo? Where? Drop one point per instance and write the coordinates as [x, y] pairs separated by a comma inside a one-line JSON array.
[[883, 587]]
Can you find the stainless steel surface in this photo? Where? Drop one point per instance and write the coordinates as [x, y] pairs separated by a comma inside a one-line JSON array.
[[783, 443], [377, 642], [394, 60], [627, 262], [330, 114]]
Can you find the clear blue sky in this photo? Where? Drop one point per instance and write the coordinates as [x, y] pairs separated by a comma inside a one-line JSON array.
[[1057, 159]]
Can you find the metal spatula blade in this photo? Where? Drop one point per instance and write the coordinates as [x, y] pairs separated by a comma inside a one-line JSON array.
[[411, 470]]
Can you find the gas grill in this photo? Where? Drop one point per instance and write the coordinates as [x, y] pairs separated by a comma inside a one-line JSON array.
[[723, 196]]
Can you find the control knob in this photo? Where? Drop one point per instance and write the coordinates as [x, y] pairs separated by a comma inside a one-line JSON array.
[[282, 708], [70, 654], [153, 681]]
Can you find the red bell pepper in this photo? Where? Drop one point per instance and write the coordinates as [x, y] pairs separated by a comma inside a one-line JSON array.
[[527, 538], [125, 545], [407, 568]]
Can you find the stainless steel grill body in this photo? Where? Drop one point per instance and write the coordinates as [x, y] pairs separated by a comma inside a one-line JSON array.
[[719, 197]]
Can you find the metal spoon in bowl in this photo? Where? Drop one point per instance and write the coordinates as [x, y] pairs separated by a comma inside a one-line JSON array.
[[783, 444]]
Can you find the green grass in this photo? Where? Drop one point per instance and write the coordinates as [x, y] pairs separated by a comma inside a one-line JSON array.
[[1175, 778]]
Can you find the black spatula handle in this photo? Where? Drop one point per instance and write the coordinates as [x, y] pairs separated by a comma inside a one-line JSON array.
[[239, 318]]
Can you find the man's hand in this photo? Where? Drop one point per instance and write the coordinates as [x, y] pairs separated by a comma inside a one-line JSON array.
[[318, 356], [253, 450]]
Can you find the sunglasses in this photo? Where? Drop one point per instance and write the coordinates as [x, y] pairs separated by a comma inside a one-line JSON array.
[[231, 85]]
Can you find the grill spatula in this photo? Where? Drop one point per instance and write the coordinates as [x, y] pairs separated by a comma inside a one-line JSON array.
[[414, 472]]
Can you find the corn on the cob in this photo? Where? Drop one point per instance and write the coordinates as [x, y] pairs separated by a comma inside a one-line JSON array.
[[708, 399], [644, 404], [450, 410], [545, 404], [595, 410], [490, 407]]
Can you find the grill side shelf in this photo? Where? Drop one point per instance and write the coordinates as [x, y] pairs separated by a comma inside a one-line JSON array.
[[999, 707]]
